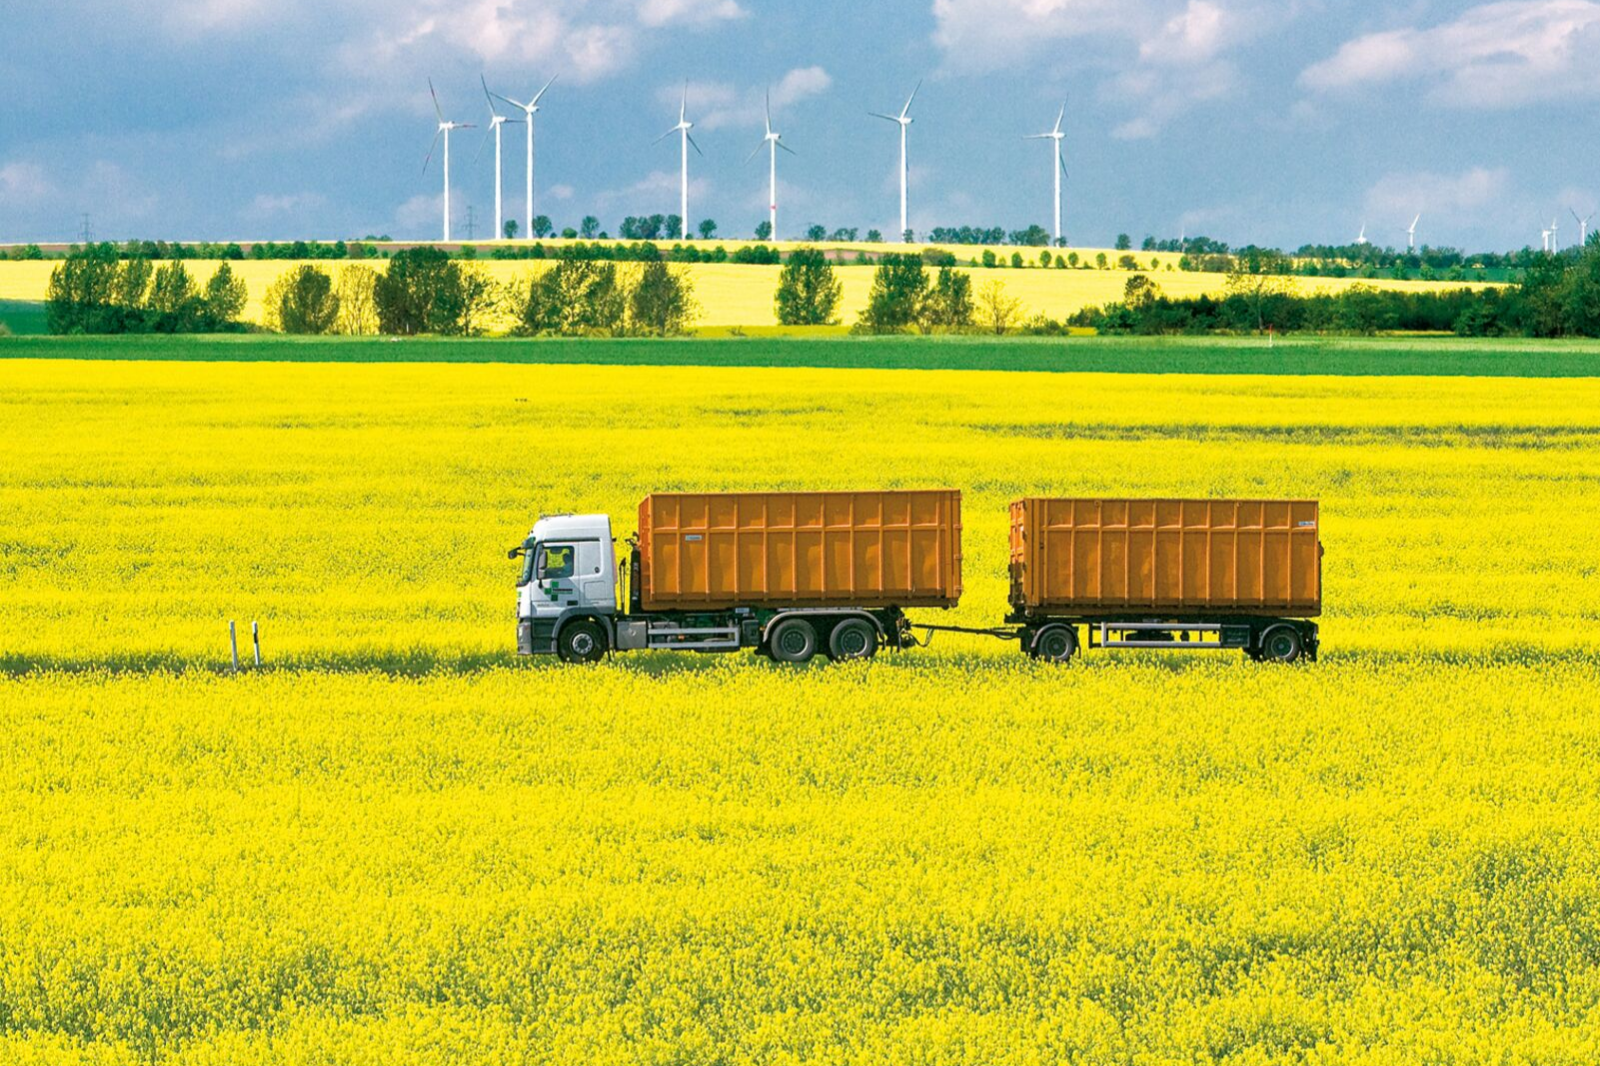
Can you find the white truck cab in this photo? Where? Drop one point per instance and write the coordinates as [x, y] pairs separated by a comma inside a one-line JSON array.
[[569, 579]]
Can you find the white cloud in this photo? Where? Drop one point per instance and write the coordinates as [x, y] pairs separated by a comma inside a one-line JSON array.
[[24, 184], [719, 105], [560, 192], [1395, 198], [663, 12], [1166, 57], [1494, 56], [268, 204]]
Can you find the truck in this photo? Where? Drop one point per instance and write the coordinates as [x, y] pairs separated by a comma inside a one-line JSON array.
[[797, 574], [789, 574]]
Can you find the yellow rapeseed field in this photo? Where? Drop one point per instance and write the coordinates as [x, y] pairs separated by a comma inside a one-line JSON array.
[[396, 844], [730, 294]]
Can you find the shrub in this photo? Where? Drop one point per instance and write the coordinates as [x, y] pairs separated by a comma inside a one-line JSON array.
[[999, 310], [302, 301], [358, 310], [948, 304], [420, 293], [225, 297]]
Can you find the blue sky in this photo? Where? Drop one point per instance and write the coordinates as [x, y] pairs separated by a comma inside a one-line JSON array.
[[1273, 121]]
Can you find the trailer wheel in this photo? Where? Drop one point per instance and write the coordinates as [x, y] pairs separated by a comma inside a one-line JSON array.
[[1281, 644], [793, 640], [581, 642], [1054, 644], [854, 638]]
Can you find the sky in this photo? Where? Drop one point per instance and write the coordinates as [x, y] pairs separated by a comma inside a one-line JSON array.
[[1277, 122]]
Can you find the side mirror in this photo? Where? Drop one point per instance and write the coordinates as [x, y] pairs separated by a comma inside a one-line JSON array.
[[513, 553]]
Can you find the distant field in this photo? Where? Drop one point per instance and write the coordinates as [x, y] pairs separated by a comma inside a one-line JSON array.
[[730, 294], [23, 317], [1431, 356]]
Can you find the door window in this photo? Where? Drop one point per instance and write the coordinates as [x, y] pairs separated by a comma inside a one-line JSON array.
[[557, 561]]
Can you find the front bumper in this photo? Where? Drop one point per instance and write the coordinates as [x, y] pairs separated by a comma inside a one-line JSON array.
[[536, 636]]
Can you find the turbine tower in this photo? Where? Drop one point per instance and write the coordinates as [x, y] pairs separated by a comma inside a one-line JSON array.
[[1361, 238], [903, 120], [528, 110], [1545, 233], [772, 141], [1583, 226], [682, 129], [1059, 168], [1411, 234], [496, 120], [1555, 240], [443, 131]]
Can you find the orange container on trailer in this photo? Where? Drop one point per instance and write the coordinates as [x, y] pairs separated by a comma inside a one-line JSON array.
[[1124, 557], [710, 551]]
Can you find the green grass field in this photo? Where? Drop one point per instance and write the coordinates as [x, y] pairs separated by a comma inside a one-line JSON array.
[[1384, 356], [23, 318]]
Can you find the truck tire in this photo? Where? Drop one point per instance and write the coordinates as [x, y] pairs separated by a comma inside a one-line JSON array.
[[793, 640], [1054, 644], [854, 638], [1281, 644], [581, 642]]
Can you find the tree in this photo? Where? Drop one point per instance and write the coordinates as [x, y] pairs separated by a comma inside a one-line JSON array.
[[1140, 292], [1034, 236], [226, 295], [999, 311], [358, 311], [575, 298], [542, 226], [131, 288], [79, 297], [303, 301], [763, 230], [909, 237], [989, 259], [808, 292], [510, 229], [816, 233], [874, 236], [674, 227], [661, 302], [1016, 260], [948, 305], [898, 288], [419, 293], [1124, 242], [174, 302], [588, 227], [1044, 258], [1259, 276], [708, 229]]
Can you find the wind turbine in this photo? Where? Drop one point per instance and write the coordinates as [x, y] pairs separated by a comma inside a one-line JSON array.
[[443, 131], [1583, 226], [773, 141], [682, 129], [528, 110], [1059, 167], [1545, 233], [1555, 241], [903, 120], [496, 120], [1411, 234], [1361, 238]]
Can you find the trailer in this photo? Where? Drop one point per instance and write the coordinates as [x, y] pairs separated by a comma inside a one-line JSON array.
[[1187, 575], [789, 574], [797, 574]]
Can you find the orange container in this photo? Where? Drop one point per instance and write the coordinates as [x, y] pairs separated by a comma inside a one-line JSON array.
[[709, 551], [1135, 556]]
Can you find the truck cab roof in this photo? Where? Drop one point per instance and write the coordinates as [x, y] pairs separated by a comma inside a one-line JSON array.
[[570, 527]]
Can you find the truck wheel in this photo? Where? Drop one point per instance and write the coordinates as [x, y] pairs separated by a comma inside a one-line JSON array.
[[854, 638], [581, 642], [793, 640], [1054, 644], [1281, 644]]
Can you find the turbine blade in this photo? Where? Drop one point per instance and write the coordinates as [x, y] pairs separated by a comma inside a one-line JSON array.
[[436, 135], [437, 109], [785, 147], [1059, 117], [481, 142], [665, 135], [904, 111], [690, 139], [1063, 163], [683, 106], [755, 150], [510, 101], [1575, 217], [487, 95], [535, 101], [886, 118], [1038, 137]]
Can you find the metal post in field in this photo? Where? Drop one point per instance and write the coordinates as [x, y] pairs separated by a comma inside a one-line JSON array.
[[233, 644], [255, 638]]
